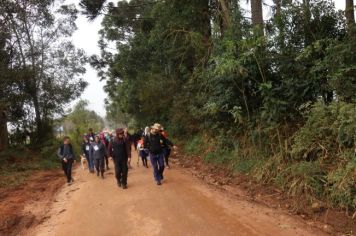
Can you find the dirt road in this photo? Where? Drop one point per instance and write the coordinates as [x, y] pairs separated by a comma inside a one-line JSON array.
[[181, 206]]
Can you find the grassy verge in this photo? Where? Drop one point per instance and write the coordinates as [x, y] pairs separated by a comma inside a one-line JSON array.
[[315, 163], [17, 164]]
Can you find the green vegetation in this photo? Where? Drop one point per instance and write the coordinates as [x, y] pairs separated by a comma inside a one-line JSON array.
[[274, 98], [16, 165], [77, 123]]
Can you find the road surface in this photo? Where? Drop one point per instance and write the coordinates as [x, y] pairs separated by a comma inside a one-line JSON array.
[[182, 205]]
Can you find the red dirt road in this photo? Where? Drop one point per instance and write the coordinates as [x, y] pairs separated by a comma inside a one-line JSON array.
[[183, 205]]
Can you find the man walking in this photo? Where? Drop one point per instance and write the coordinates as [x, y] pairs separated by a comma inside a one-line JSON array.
[[120, 151], [66, 155], [155, 143]]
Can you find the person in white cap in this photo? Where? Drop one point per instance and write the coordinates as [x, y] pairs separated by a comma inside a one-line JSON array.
[[155, 143]]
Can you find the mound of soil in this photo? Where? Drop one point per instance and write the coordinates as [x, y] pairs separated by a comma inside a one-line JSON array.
[[16, 213]]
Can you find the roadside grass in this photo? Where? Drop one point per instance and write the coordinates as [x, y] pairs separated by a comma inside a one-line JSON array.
[[17, 164]]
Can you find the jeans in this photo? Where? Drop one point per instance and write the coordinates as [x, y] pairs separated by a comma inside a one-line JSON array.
[[157, 161], [91, 163], [67, 168]]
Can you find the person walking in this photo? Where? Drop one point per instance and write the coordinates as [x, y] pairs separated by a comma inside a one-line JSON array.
[[91, 135], [142, 152], [155, 142], [66, 155], [106, 145], [166, 147], [128, 138], [120, 151], [97, 152], [85, 152]]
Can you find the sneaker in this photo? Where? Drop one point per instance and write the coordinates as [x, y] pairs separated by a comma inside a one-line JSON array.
[[159, 183], [119, 184], [124, 186]]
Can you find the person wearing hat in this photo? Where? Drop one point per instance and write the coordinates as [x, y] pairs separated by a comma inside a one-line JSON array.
[[120, 151], [155, 143], [97, 153]]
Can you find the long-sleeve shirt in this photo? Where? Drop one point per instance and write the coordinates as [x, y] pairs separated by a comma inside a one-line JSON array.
[[155, 143], [97, 150], [65, 151], [120, 149], [85, 148]]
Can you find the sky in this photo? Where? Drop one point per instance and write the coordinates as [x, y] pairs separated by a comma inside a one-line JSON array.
[[86, 37]]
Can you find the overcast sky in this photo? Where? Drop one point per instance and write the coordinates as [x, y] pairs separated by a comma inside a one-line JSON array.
[[86, 37]]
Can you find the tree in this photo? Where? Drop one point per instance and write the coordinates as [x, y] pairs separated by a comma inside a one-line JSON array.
[[257, 15], [48, 61], [350, 12], [77, 123]]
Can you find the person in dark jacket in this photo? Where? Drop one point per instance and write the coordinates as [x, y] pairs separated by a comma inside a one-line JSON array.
[[166, 148], [85, 152], [66, 155], [97, 152], [120, 151], [129, 138], [91, 135], [155, 143]]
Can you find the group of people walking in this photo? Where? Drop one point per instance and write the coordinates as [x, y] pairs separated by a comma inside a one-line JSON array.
[[153, 142]]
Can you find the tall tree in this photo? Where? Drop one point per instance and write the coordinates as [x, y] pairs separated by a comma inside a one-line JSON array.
[[40, 46], [350, 13], [257, 15]]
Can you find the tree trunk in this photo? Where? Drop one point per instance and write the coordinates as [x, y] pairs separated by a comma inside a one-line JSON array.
[[4, 136], [225, 15], [308, 38], [279, 23], [38, 118], [257, 15], [350, 12]]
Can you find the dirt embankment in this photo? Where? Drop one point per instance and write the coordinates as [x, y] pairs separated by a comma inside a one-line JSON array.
[[26, 205], [332, 221]]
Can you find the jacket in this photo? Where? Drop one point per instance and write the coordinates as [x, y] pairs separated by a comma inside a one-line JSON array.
[[85, 148], [156, 143], [120, 149], [97, 151], [61, 154]]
